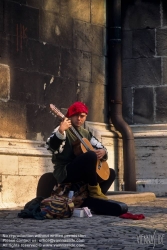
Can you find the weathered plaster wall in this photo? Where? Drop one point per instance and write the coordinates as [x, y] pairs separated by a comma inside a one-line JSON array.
[[50, 52]]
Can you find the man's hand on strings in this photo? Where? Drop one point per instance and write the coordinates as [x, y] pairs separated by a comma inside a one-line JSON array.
[[64, 125], [100, 153]]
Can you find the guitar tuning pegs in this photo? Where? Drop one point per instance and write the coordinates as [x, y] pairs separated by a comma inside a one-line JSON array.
[[52, 113]]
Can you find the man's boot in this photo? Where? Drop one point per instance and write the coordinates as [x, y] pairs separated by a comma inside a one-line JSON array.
[[95, 192]]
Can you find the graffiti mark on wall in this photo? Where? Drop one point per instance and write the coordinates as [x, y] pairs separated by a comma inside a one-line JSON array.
[[21, 35]]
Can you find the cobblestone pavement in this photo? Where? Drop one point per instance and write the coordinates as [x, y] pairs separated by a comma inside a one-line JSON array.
[[97, 232]]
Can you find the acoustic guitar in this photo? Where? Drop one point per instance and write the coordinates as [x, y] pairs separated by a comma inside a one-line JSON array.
[[102, 168]]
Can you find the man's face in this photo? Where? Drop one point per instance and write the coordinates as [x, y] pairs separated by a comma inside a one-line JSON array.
[[78, 119]]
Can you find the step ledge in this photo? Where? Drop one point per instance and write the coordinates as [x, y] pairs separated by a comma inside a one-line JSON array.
[[125, 197], [131, 197], [23, 151]]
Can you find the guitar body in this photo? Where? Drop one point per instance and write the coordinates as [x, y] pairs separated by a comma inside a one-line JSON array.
[[102, 168]]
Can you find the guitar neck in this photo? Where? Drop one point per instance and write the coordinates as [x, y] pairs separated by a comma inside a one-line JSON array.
[[79, 137]]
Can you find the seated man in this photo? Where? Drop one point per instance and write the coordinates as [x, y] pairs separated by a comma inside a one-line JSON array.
[[69, 167]]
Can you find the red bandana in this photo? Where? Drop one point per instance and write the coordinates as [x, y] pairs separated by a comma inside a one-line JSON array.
[[75, 108], [132, 216]]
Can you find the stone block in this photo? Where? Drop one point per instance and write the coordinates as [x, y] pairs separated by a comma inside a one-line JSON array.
[[143, 71], [9, 165], [38, 115], [23, 147], [34, 165], [13, 52], [98, 38], [21, 87], [55, 29], [4, 82], [36, 122], [164, 70], [1, 16], [25, 25], [147, 133], [98, 69], [20, 1], [98, 102], [68, 67], [161, 45], [140, 14], [43, 57], [143, 43], [82, 36], [115, 157], [143, 105], [83, 92], [51, 5], [56, 92], [11, 113], [164, 12], [88, 37], [151, 158], [35, 3], [3, 60], [161, 107], [127, 95], [152, 185], [23, 162], [24, 191], [77, 9], [17, 51], [83, 63], [119, 157], [76, 64], [126, 44], [98, 12]]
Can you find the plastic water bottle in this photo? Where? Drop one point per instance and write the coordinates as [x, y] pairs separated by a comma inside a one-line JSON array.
[[70, 194]]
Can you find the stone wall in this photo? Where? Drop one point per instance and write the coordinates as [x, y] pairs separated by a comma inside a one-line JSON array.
[[151, 159], [144, 61], [144, 80], [22, 162], [50, 52]]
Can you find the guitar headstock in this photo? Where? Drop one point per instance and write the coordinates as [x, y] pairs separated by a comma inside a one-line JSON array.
[[56, 111]]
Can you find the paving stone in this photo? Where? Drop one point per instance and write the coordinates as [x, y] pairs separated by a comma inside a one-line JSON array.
[[101, 232]]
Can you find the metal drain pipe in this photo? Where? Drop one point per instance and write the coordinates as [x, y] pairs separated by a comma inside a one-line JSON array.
[[114, 75]]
